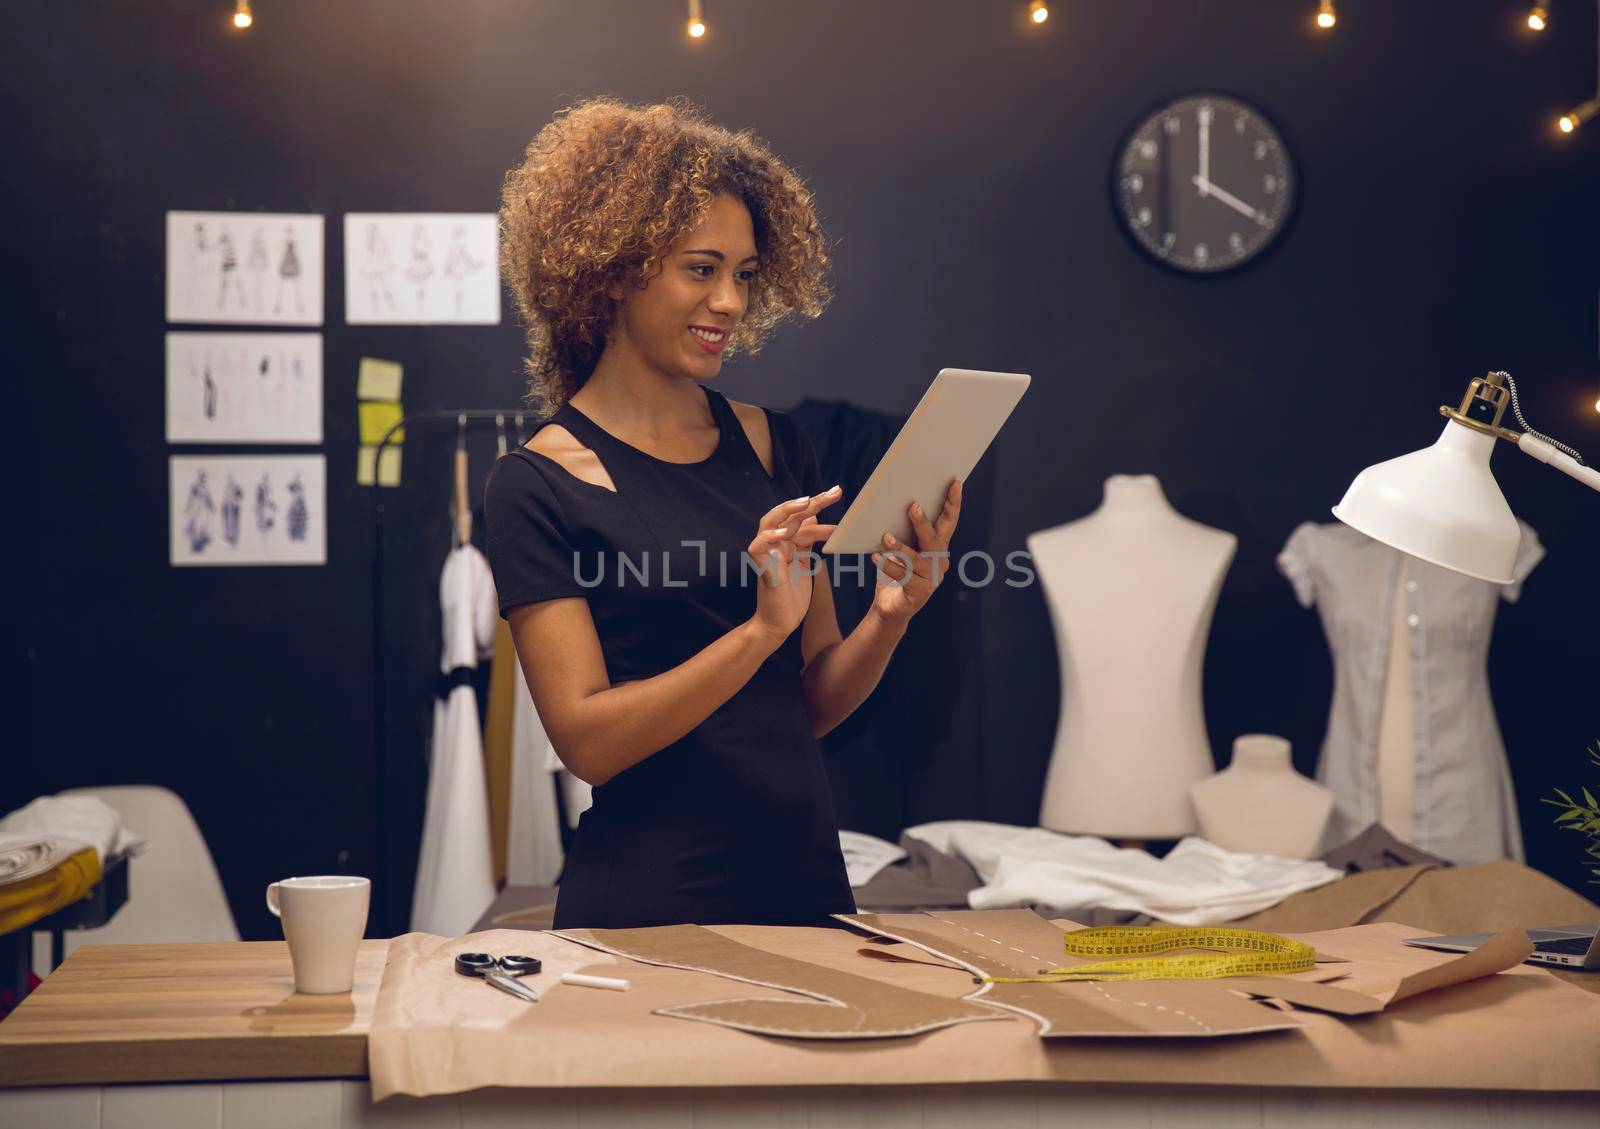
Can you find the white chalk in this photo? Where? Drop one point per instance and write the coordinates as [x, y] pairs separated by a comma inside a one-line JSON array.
[[580, 980]]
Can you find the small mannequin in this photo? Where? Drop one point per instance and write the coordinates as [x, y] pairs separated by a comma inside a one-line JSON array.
[[1260, 805], [1131, 589]]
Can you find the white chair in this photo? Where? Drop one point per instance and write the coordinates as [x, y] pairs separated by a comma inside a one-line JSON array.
[[174, 893]]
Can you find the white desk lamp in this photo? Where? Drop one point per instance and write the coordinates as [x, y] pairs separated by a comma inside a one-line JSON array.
[[1441, 504]]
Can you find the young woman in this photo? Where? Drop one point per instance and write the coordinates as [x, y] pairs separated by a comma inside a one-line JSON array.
[[656, 547]]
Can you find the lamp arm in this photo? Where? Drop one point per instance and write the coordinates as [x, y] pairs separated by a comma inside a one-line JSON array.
[[1562, 461]]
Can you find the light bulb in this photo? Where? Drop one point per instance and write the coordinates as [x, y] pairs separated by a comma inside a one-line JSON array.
[[1326, 16], [1597, 405], [1572, 119], [1038, 11], [242, 16], [697, 28], [1539, 17]]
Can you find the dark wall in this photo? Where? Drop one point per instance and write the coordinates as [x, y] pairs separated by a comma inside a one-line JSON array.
[[960, 160]]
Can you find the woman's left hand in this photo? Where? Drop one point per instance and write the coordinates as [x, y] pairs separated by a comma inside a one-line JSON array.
[[907, 577]]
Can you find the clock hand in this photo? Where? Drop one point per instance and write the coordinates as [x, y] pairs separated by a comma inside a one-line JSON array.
[[1205, 151], [1238, 205]]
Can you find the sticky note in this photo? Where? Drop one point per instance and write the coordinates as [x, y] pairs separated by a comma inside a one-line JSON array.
[[377, 417], [388, 470], [378, 380]]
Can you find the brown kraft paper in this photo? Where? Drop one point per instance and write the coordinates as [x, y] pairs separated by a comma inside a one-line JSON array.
[[434, 1032]]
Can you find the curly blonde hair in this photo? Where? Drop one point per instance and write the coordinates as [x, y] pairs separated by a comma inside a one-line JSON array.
[[602, 194]]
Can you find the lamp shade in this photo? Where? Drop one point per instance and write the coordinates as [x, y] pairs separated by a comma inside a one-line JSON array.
[[1440, 505]]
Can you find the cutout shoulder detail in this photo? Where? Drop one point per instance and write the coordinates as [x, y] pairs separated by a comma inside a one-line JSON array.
[[561, 447], [758, 430]]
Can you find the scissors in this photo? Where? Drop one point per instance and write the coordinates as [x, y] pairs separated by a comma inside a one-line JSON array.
[[501, 972]]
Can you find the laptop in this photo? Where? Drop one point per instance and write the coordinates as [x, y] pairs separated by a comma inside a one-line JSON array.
[[1566, 946]]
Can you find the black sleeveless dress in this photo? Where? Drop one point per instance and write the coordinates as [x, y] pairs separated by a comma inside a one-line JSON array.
[[734, 822]]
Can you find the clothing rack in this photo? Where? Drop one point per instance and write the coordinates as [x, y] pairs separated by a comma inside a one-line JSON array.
[[463, 417]]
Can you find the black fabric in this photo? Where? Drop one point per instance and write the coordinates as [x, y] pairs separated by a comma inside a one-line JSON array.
[[458, 676], [734, 822]]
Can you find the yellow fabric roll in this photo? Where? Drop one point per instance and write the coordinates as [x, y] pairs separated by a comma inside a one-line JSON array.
[[23, 903], [497, 727]]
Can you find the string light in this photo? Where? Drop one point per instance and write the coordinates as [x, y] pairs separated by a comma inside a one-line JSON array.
[[1539, 18], [1572, 119], [243, 17], [1326, 16], [1038, 11], [697, 23]]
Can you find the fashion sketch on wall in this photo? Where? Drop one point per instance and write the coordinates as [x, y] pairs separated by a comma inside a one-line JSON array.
[[248, 509], [244, 268], [429, 268], [244, 388]]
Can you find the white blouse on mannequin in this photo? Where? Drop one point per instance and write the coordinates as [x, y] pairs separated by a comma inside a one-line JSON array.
[[1462, 804]]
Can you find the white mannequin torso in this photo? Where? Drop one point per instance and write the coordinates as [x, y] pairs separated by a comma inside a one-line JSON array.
[[1131, 589], [1260, 805]]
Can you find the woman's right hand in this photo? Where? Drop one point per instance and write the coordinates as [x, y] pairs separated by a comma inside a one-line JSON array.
[[786, 561]]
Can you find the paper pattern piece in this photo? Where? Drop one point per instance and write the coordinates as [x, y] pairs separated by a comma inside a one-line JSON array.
[[244, 388], [244, 268], [378, 380], [1377, 970], [1372, 969], [427, 268], [388, 468], [840, 1005], [248, 509], [1020, 943]]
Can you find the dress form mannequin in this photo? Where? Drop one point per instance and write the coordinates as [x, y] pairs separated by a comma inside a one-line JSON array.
[[1397, 748], [1260, 805], [1131, 589], [1412, 741]]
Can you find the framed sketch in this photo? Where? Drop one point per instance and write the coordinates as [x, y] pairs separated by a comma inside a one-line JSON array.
[[244, 388], [426, 268], [244, 268], [248, 509]]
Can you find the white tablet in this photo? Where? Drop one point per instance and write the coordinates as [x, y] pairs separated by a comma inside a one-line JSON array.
[[954, 423]]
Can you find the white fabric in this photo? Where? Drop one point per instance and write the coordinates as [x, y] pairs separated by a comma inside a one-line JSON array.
[[578, 795], [70, 823], [533, 835], [865, 855], [1197, 883], [27, 856], [455, 870]]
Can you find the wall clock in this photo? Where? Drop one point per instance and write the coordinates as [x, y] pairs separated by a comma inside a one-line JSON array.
[[1204, 184]]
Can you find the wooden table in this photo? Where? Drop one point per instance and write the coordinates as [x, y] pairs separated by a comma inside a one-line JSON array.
[[182, 1013], [221, 1039]]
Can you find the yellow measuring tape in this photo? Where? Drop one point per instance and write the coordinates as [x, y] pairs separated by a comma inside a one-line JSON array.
[[1248, 953]]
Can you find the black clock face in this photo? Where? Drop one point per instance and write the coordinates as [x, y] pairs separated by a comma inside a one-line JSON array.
[[1204, 184]]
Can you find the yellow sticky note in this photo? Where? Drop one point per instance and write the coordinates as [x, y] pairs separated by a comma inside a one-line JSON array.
[[378, 380], [377, 417], [389, 471]]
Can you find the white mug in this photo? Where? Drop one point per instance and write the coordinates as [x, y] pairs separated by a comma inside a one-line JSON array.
[[323, 920]]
